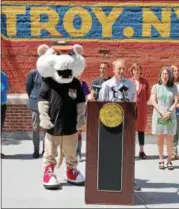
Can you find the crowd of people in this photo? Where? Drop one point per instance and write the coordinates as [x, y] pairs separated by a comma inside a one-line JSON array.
[[164, 96]]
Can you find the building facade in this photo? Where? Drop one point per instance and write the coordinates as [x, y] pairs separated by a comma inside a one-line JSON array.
[[146, 32]]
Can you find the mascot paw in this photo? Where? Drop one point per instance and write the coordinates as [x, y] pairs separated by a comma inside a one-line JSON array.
[[80, 124], [46, 124]]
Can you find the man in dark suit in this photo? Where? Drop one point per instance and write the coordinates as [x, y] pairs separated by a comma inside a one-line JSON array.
[[33, 85]]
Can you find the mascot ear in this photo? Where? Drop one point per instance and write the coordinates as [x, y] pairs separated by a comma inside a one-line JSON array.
[[45, 65], [78, 49], [79, 64], [50, 51]]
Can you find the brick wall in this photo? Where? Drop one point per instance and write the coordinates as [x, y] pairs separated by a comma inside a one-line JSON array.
[[17, 61], [19, 119], [19, 45]]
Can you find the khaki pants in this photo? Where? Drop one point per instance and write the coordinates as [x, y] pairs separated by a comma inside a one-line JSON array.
[[69, 145]]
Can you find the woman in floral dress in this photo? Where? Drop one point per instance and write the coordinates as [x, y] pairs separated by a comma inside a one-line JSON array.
[[164, 99]]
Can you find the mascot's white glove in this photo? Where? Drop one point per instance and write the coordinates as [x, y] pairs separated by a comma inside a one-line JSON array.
[[81, 119], [45, 122]]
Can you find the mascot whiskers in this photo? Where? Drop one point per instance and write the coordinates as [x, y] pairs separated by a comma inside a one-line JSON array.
[[62, 110]]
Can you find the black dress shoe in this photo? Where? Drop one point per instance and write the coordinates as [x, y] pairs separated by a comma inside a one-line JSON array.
[[142, 155], [36, 155], [2, 155]]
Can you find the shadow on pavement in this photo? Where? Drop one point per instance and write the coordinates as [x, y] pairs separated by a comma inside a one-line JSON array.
[[65, 183], [8, 141], [146, 184], [149, 157], [20, 157], [152, 198]]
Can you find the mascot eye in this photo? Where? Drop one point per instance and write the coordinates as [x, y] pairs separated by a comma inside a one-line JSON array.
[[71, 53]]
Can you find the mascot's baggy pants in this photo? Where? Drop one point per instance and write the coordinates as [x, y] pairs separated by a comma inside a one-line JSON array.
[[66, 144]]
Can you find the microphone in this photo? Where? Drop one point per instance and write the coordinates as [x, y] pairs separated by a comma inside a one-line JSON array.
[[96, 90], [96, 86], [123, 89]]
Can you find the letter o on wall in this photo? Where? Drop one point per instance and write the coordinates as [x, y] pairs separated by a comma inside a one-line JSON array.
[[86, 21]]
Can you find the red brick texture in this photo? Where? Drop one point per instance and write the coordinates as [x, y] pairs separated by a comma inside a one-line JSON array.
[[19, 57], [18, 118], [17, 61]]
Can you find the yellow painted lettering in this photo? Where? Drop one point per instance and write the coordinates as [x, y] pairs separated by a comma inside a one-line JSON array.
[[162, 26], [11, 13], [37, 25], [177, 12], [86, 21], [107, 21]]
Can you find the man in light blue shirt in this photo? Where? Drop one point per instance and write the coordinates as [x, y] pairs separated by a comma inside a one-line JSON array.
[[112, 89], [119, 89], [4, 89]]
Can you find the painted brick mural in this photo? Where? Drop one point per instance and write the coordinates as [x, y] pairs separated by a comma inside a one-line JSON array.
[[139, 31]]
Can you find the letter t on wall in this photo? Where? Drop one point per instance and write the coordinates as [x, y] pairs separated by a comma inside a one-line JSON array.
[[37, 26], [11, 13]]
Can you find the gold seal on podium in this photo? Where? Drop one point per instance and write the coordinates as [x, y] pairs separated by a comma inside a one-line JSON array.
[[111, 115]]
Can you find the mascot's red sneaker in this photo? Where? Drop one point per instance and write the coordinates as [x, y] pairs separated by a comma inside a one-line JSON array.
[[74, 176], [49, 178]]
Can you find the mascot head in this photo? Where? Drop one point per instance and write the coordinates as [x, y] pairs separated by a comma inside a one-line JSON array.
[[62, 62]]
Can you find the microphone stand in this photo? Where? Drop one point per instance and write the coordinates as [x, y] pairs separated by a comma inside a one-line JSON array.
[[96, 91], [123, 88], [114, 94]]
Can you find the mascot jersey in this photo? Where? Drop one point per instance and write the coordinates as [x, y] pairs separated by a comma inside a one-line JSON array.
[[63, 100]]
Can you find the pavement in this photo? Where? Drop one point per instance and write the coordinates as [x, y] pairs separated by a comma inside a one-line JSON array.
[[22, 181]]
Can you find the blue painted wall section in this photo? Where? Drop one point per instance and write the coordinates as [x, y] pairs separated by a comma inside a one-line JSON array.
[[111, 22]]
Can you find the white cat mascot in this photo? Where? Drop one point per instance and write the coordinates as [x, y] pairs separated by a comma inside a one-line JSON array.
[[62, 109]]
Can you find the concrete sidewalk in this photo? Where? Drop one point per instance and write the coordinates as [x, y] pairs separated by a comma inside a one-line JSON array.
[[22, 182]]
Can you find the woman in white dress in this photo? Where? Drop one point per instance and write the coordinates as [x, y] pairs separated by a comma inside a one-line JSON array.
[[164, 97]]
